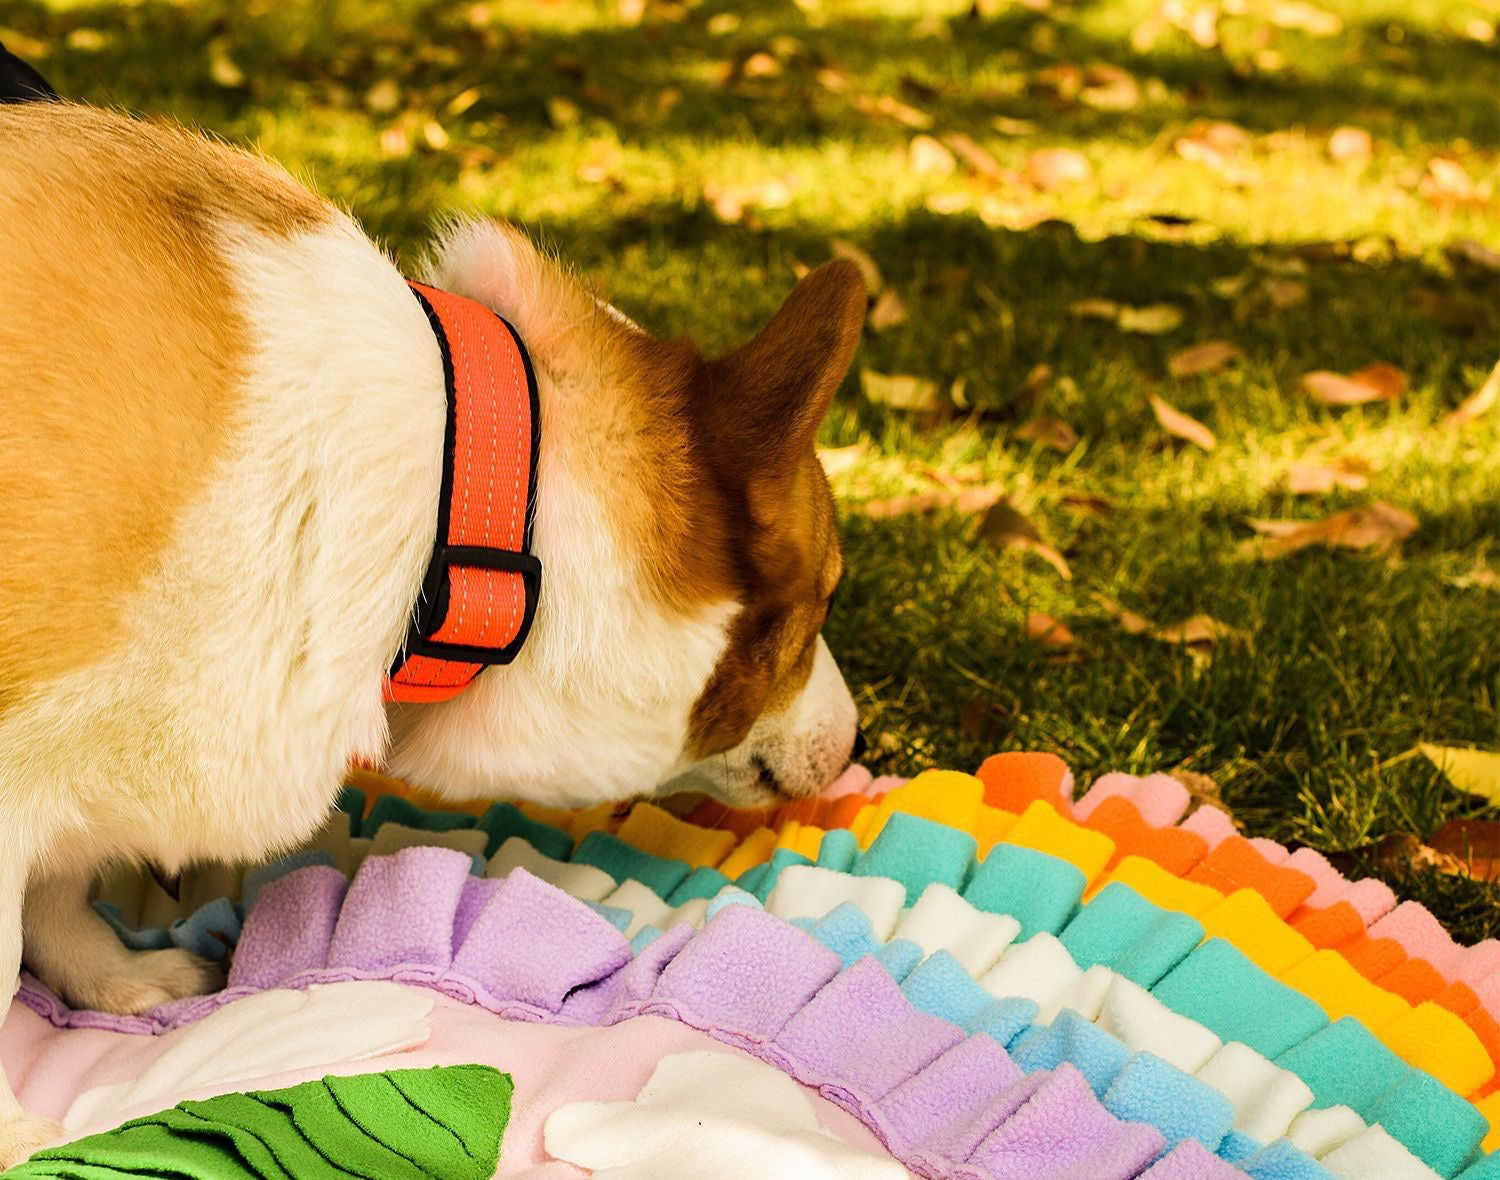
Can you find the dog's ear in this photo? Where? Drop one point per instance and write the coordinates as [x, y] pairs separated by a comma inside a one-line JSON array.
[[768, 398]]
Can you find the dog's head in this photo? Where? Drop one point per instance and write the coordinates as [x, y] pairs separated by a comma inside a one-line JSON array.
[[688, 541]]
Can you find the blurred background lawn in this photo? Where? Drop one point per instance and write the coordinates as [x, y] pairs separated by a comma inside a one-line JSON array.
[[1316, 185]]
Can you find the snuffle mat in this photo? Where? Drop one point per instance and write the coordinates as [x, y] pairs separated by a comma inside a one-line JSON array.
[[988, 976]]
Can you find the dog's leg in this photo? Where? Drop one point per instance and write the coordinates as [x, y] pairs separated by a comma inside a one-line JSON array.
[[20, 1133], [73, 951]]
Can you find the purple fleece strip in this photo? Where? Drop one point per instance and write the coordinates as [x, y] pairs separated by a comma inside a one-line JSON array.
[[945, 1104]]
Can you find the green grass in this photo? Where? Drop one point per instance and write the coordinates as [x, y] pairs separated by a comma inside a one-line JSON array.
[[1350, 658]]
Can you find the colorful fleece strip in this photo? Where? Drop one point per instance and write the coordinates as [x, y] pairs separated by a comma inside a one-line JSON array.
[[410, 1124], [1265, 885], [1442, 1027], [476, 939], [945, 1101]]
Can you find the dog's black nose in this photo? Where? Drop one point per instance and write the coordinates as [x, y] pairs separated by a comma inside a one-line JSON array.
[[861, 744]]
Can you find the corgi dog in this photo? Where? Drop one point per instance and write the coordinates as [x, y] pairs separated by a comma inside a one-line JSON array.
[[226, 457]]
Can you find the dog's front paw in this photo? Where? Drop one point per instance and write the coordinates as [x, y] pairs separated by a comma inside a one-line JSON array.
[[145, 979], [23, 1134]]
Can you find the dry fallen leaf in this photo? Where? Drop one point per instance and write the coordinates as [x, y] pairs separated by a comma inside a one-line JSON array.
[[1154, 319], [1052, 433], [838, 460], [901, 391], [1006, 527], [1350, 145], [1051, 168], [841, 248], [887, 312], [1038, 377], [1180, 425], [1480, 578], [927, 156], [887, 107], [221, 67], [1198, 631], [731, 202], [1202, 791], [1473, 842], [968, 501], [1282, 293], [1314, 479], [1445, 182], [1379, 527], [1398, 854], [1308, 18], [1373, 383], [1194, 631], [982, 721], [1048, 632], [1481, 401], [1130, 622], [1208, 357], [1095, 309], [1474, 771], [975, 158], [563, 112]]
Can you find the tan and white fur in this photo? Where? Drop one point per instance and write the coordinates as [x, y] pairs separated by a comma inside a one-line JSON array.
[[220, 455]]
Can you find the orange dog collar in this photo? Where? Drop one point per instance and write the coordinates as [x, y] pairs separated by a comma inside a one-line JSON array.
[[480, 591]]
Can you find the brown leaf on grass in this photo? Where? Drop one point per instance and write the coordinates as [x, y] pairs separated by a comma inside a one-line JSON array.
[[869, 271], [1398, 854], [1217, 145], [1282, 293], [886, 107], [1053, 433], [1306, 18], [1373, 383], [966, 502], [1006, 527], [1017, 127], [982, 721], [1474, 843], [1130, 622], [1109, 88], [1180, 425], [838, 460], [601, 162], [1045, 631], [1051, 168], [1315, 479], [1350, 145], [901, 391], [222, 68], [927, 156], [1379, 527], [888, 311], [1152, 319], [731, 202], [1038, 377], [1200, 631], [1095, 309], [1446, 182], [975, 158], [1208, 357], [1478, 403], [1195, 631], [1480, 578]]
